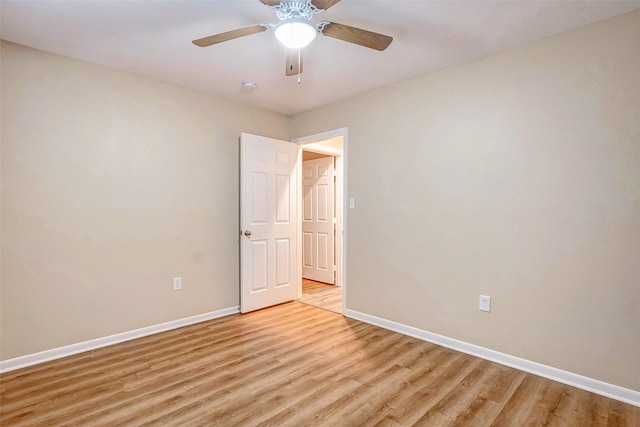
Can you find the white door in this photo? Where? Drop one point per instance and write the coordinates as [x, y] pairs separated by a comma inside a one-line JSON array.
[[267, 221], [318, 220]]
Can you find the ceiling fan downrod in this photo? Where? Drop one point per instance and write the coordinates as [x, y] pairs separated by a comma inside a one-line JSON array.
[[299, 66]]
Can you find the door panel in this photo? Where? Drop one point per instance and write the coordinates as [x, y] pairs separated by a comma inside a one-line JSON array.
[[323, 250], [268, 221], [307, 249], [259, 265], [283, 199], [322, 197], [259, 198], [283, 255], [317, 220], [307, 197]]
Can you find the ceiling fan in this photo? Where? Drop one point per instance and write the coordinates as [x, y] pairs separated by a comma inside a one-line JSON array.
[[295, 30]]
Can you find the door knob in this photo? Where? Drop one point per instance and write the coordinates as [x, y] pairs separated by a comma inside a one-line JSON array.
[[247, 233]]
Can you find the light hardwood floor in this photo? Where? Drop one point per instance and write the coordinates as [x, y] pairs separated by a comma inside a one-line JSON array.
[[309, 286], [322, 295], [291, 365]]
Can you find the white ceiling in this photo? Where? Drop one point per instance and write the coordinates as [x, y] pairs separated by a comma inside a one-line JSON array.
[[152, 38]]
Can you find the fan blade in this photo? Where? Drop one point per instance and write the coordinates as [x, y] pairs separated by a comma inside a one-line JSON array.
[[229, 35], [357, 35], [270, 2], [324, 4], [293, 61]]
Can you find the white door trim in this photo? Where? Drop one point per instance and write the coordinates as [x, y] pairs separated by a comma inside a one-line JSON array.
[[341, 187]]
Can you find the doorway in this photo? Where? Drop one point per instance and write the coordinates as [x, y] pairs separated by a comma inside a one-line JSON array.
[[321, 218], [270, 217]]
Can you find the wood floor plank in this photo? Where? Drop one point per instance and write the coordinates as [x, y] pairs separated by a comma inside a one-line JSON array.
[[373, 393], [292, 364], [420, 407]]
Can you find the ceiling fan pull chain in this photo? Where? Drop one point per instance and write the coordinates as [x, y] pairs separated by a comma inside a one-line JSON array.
[[299, 68]]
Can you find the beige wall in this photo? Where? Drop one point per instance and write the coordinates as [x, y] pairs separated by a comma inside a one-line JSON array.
[[112, 185], [515, 176]]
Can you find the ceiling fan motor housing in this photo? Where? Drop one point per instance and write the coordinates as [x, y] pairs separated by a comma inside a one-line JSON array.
[[303, 9]]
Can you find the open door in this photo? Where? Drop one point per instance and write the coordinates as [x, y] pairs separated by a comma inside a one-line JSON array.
[[267, 222], [318, 220]]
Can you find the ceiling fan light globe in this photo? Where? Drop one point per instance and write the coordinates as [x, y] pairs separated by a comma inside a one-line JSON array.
[[295, 33]]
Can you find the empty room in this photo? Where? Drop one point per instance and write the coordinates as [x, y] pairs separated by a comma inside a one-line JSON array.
[[320, 212]]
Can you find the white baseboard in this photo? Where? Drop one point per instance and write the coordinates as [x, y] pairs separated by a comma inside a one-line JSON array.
[[68, 350], [622, 394]]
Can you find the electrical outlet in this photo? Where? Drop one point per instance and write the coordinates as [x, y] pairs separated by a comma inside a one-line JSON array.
[[177, 283], [485, 303]]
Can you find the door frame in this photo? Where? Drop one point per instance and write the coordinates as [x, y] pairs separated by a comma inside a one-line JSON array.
[[341, 215]]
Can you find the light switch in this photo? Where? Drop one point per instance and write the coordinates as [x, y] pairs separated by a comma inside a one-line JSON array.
[[485, 303]]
